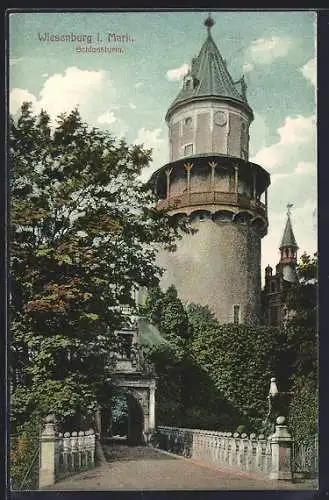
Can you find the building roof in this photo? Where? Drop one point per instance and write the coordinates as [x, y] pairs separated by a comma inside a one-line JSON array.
[[209, 77], [288, 238], [149, 335]]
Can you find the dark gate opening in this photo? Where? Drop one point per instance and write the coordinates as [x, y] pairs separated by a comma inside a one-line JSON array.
[[123, 420]]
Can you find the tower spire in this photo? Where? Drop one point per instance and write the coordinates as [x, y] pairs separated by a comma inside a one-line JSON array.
[[288, 246], [209, 22], [289, 206]]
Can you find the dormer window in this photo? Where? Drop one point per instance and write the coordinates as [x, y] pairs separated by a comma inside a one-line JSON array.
[[188, 84]]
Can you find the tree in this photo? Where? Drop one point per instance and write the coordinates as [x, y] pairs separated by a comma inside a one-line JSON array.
[[84, 233], [303, 343], [302, 296]]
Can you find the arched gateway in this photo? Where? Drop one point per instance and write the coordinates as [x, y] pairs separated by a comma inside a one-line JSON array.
[[135, 380]]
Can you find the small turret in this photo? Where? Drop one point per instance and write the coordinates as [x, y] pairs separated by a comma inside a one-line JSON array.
[[288, 249]]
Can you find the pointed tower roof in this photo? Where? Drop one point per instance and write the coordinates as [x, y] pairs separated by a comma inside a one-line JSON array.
[[209, 77], [288, 238]]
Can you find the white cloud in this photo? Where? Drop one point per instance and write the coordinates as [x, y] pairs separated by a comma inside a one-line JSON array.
[[305, 168], [309, 71], [17, 97], [259, 133], [275, 178], [152, 139], [177, 73], [62, 92], [107, 118], [266, 50], [15, 60], [295, 132], [247, 67], [132, 106]]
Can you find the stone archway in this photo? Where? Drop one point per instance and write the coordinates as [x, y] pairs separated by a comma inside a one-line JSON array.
[[141, 407]]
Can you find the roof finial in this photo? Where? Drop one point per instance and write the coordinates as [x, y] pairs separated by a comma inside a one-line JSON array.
[[289, 205], [209, 22]]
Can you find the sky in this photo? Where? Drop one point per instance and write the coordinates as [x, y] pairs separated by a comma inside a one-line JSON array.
[[57, 61]]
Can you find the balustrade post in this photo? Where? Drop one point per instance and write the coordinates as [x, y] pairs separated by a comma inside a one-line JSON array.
[[152, 408], [281, 447], [233, 459], [81, 448], [74, 450], [47, 453]]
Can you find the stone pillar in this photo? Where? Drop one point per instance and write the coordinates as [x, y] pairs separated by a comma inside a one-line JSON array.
[[47, 453], [236, 179], [254, 184], [168, 172], [212, 165], [98, 421], [152, 408], [281, 446], [188, 168]]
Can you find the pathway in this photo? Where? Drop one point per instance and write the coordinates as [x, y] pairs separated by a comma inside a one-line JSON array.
[[143, 468]]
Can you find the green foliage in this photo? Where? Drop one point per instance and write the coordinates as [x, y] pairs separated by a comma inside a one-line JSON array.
[[304, 409], [302, 296], [303, 343], [84, 233], [24, 455], [173, 316], [240, 360]]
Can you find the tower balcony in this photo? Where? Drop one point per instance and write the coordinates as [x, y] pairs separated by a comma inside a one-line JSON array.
[[211, 200]]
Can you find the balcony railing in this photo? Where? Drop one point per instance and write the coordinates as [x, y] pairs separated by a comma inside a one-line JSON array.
[[210, 198]]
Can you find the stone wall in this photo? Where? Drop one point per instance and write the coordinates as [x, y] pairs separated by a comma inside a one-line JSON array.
[[195, 123], [218, 266]]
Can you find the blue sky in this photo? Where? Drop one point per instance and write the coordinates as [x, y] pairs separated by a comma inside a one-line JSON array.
[[129, 92]]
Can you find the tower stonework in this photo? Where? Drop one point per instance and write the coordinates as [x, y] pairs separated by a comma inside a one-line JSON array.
[[210, 181]]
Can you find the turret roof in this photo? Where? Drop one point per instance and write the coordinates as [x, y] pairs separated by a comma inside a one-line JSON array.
[[210, 77], [288, 238]]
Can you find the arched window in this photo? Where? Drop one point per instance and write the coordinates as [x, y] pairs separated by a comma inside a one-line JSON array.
[[188, 150], [236, 314]]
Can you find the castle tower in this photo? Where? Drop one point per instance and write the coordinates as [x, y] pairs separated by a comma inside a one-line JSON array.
[[210, 180], [278, 284]]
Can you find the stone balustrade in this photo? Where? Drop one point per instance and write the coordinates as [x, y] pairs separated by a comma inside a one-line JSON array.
[[253, 454], [74, 452], [64, 454], [210, 198]]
